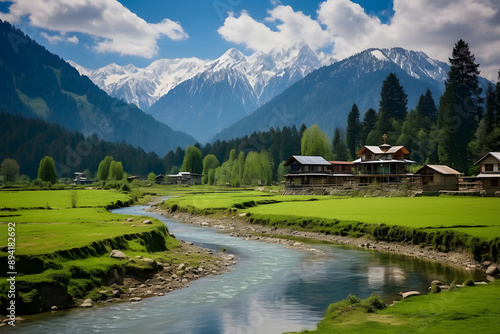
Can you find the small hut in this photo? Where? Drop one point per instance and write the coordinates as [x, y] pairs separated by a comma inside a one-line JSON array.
[[438, 177]]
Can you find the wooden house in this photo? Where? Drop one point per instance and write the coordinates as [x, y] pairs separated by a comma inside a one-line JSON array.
[[185, 178], [490, 172], [382, 164], [81, 179], [438, 177], [315, 171]]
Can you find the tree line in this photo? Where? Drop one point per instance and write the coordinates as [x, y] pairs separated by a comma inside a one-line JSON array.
[[460, 129]]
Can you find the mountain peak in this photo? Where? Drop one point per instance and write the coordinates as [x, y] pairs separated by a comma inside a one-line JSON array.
[[233, 54]]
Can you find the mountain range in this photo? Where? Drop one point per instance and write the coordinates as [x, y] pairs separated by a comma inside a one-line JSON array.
[[326, 95], [38, 84], [202, 98]]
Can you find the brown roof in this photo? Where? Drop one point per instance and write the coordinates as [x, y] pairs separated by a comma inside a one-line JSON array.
[[441, 169], [495, 155]]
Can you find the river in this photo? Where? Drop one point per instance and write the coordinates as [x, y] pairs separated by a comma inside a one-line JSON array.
[[271, 289]]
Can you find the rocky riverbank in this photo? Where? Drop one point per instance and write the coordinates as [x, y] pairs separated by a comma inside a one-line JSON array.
[[238, 226], [167, 277]]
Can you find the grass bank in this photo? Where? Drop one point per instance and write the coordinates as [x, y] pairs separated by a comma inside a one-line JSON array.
[[462, 224], [466, 309], [63, 240]]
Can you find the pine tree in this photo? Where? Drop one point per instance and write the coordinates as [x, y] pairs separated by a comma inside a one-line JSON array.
[[427, 107], [393, 99], [368, 124], [459, 108], [47, 170], [352, 133], [339, 146], [497, 91]]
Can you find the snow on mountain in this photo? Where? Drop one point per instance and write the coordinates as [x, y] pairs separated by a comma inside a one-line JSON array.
[[233, 86], [326, 95], [144, 86]]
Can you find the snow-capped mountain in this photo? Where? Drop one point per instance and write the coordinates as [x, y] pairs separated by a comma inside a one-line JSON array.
[[233, 86], [326, 95], [143, 86]]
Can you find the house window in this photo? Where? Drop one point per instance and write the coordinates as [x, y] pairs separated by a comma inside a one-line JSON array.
[[494, 183], [488, 167], [368, 156]]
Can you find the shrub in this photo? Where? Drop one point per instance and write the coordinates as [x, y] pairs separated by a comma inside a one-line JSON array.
[[373, 303], [469, 282], [435, 288], [125, 188]]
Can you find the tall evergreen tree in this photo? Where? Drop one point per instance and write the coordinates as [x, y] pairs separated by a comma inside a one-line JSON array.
[[368, 124], [497, 91], [339, 146], [47, 170], [427, 107], [353, 132], [393, 99], [459, 108]]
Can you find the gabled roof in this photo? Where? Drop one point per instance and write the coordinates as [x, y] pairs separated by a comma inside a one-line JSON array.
[[307, 160], [495, 155], [384, 149], [441, 169]]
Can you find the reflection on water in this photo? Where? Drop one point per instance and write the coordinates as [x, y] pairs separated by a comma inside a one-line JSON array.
[[271, 289]]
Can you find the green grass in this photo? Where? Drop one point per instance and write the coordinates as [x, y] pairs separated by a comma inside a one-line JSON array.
[[422, 212], [470, 309], [59, 198]]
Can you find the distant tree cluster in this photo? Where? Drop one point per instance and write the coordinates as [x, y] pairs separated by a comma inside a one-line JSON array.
[[456, 133]]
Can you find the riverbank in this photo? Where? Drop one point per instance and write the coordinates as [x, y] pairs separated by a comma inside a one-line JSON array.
[[239, 226], [70, 251]]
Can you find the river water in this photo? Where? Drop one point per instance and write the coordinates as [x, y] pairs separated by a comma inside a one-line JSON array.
[[271, 289]]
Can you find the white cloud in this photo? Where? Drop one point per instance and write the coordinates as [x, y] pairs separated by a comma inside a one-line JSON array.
[[291, 27], [432, 26], [115, 28], [60, 38]]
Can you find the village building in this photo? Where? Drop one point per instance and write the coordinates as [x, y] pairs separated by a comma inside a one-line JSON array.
[[438, 177], [81, 179], [185, 178], [382, 164], [315, 171], [490, 173]]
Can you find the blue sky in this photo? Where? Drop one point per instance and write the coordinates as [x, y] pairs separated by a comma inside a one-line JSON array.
[[95, 33]]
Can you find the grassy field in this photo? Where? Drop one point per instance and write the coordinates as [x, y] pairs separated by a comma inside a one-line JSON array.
[[59, 198], [468, 309], [57, 244], [475, 216]]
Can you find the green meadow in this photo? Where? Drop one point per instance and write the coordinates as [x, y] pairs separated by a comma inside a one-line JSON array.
[[474, 216], [63, 239], [444, 223], [467, 309]]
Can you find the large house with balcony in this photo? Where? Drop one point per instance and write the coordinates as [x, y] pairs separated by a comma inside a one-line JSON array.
[[382, 164], [315, 171], [490, 172]]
